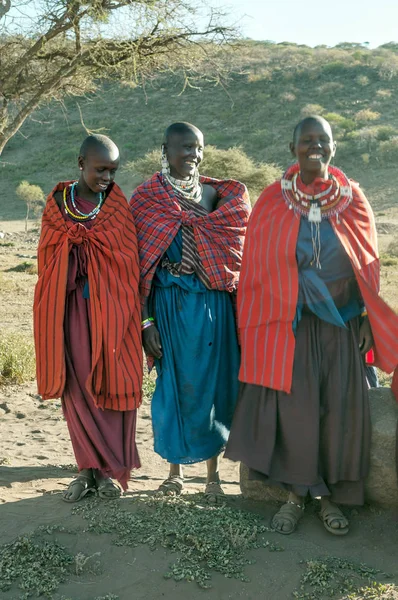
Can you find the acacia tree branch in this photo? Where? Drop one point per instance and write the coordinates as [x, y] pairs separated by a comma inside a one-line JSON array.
[[5, 6], [50, 86]]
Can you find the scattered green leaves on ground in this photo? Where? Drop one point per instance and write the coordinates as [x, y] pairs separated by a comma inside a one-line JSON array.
[[37, 565], [207, 538], [333, 577]]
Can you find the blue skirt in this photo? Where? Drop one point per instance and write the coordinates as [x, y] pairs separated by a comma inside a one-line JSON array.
[[197, 383]]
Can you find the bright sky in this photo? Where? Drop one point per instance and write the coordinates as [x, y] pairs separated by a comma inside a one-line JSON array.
[[307, 22], [313, 23]]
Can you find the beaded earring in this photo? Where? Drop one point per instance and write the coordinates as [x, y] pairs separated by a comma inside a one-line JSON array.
[[165, 162]]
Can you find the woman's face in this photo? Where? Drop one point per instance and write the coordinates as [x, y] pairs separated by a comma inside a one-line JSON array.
[[314, 148], [184, 152], [98, 170]]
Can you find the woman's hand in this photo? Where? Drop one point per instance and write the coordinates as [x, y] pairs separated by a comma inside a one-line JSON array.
[[365, 336], [151, 342]]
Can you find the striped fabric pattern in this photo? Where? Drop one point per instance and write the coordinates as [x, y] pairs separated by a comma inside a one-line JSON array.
[[268, 289], [115, 381], [218, 236], [190, 262]]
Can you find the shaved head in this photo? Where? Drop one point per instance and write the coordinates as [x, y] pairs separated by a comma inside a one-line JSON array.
[[99, 144], [311, 120], [180, 128]]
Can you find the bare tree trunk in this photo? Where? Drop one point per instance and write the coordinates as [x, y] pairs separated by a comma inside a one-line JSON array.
[[5, 6]]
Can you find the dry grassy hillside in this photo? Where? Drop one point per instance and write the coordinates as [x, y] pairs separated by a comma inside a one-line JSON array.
[[271, 87]]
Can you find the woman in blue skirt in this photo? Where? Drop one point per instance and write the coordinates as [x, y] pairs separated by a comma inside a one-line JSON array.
[[190, 231]]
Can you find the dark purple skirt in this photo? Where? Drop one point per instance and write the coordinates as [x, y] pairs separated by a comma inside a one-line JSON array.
[[315, 440], [101, 439]]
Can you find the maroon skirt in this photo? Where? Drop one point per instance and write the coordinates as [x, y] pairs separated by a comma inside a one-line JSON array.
[[101, 439], [315, 440]]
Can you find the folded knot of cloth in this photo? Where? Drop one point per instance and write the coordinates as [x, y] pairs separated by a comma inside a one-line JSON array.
[[187, 217], [77, 233]]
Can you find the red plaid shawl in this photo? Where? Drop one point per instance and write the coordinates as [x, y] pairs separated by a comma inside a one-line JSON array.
[[268, 288], [219, 235]]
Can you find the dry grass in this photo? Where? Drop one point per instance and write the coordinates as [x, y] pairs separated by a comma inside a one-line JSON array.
[[25, 267], [17, 362], [392, 248]]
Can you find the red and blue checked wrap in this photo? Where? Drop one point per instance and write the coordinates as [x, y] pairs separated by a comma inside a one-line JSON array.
[[219, 235]]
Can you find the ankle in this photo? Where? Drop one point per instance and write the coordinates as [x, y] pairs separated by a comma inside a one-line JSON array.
[[294, 499], [176, 471]]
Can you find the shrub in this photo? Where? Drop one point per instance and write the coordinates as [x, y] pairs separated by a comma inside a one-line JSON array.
[[330, 87], [385, 132], [220, 164], [362, 80], [34, 198], [389, 150], [339, 123], [366, 158], [392, 249], [24, 267], [384, 93], [335, 68], [312, 109], [388, 67], [17, 362], [287, 97], [366, 116]]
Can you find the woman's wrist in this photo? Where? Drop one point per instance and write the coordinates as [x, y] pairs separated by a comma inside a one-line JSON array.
[[146, 323]]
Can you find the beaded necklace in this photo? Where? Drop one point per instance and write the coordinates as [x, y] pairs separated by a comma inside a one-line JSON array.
[[324, 205], [81, 216], [191, 188], [331, 202]]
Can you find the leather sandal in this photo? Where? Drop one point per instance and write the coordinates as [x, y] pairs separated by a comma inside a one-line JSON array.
[[291, 513], [332, 513], [172, 486], [86, 483]]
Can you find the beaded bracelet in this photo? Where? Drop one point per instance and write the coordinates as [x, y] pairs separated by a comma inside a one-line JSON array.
[[147, 325], [148, 320]]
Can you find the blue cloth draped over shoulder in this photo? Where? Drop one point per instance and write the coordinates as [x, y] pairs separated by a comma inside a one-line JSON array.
[[331, 292], [197, 383]]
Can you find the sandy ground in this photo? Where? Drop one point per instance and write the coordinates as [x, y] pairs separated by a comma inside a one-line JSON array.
[[36, 454], [36, 464]]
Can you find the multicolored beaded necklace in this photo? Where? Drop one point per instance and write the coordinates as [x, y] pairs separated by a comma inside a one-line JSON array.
[[324, 205], [81, 216], [331, 202]]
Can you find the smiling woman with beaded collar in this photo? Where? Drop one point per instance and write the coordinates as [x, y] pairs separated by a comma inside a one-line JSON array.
[[309, 311], [190, 232]]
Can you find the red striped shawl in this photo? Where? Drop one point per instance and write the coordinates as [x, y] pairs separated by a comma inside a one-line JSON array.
[[115, 380], [268, 289]]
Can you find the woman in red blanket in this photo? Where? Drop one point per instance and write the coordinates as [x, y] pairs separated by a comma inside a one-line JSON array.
[[309, 310], [87, 320], [190, 233]]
